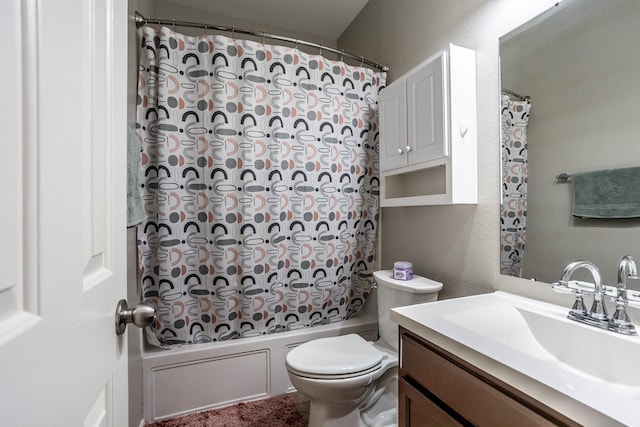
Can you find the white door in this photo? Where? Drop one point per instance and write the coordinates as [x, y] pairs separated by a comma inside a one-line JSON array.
[[426, 110], [62, 212], [393, 126]]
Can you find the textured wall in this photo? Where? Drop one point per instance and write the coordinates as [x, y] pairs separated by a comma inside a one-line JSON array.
[[458, 245], [170, 10]]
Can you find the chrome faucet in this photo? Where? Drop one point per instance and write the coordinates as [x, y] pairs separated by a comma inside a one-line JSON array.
[[597, 316], [598, 311], [620, 321]]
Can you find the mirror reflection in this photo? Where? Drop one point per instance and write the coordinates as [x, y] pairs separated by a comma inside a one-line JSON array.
[[571, 86]]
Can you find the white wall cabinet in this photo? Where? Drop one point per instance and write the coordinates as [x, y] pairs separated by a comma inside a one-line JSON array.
[[428, 147]]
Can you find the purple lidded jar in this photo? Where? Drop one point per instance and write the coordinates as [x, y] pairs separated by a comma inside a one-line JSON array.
[[402, 270]]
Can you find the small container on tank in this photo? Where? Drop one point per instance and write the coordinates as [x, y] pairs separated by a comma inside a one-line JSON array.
[[402, 270]]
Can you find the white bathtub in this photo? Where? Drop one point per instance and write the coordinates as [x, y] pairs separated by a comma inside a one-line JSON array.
[[197, 377]]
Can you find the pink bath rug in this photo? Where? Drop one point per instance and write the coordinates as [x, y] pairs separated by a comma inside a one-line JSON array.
[[278, 411]]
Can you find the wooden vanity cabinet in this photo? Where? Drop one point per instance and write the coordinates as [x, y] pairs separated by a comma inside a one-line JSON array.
[[436, 388]]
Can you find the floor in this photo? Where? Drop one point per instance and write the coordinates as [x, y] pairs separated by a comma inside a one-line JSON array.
[[277, 411]]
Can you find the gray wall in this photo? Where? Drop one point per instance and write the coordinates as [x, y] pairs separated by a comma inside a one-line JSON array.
[[458, 245], [170, 10]]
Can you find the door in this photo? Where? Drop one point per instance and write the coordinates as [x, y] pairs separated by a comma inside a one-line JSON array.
[[393, 126], [426, 109], [62, 212]]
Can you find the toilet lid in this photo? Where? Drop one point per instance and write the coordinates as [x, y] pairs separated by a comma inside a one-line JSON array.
[[343, 355]]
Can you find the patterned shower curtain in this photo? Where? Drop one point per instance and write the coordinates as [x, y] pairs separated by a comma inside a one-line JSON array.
[[513, 209], [259, 176]]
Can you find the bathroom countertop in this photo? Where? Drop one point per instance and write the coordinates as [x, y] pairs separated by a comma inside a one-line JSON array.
[[560, 402]]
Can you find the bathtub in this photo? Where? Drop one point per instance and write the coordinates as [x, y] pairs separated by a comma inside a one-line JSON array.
[[198, 377]]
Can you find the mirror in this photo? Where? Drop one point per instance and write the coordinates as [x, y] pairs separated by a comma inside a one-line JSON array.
[[580, 65]]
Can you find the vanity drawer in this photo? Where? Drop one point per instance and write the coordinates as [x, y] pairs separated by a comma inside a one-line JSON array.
[[466, 393]]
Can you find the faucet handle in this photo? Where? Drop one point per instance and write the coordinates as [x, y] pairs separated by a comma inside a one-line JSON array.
[[578, 310], [562, 287], [620, 321]]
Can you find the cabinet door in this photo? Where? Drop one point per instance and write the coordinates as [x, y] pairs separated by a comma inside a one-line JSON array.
[[417, 410], [427, 111], [393, 126], [471, 393]]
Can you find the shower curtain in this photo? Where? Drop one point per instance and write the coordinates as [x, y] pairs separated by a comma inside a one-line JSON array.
[[513, 209], [259, 176]]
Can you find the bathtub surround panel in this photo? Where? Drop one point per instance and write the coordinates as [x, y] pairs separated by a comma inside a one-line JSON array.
[[260, 180], [199, 377], [219, 375]]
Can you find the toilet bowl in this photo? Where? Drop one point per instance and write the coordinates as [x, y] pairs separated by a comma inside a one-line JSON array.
[[351, 382]]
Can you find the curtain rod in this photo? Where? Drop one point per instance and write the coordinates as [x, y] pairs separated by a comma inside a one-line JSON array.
[[142, 21], [516, 95]]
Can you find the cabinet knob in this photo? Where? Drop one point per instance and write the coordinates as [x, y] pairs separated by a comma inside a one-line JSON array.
[[400, 151], [408, 148]]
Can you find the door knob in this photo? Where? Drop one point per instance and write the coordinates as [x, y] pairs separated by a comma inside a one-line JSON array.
[[141, 315]]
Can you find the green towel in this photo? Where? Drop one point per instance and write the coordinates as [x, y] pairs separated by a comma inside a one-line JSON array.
[[609, 193], [135, 210]]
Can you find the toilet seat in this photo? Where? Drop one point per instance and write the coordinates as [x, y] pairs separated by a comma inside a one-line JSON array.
[[341, 357], [334, 376]]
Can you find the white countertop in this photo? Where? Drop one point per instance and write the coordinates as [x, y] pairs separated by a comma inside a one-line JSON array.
[[489, 332]]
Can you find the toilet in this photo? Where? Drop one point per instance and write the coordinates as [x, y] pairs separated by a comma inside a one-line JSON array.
[[351, 382]]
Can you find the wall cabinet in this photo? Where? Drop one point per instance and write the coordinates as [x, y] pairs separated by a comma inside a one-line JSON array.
[[438, 388], [428, 133]]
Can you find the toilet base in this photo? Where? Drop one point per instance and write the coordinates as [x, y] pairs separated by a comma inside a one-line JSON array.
[[378, 408], [388, 418], [382, 409], [322, 415]]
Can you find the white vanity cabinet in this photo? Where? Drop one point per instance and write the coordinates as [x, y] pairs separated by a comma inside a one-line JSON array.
[[428, 133]]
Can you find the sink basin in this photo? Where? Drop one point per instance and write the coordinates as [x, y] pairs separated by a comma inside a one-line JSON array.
[[593, 366], [548, 335]]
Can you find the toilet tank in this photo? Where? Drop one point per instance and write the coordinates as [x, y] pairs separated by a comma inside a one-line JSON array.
[[397, 293]]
